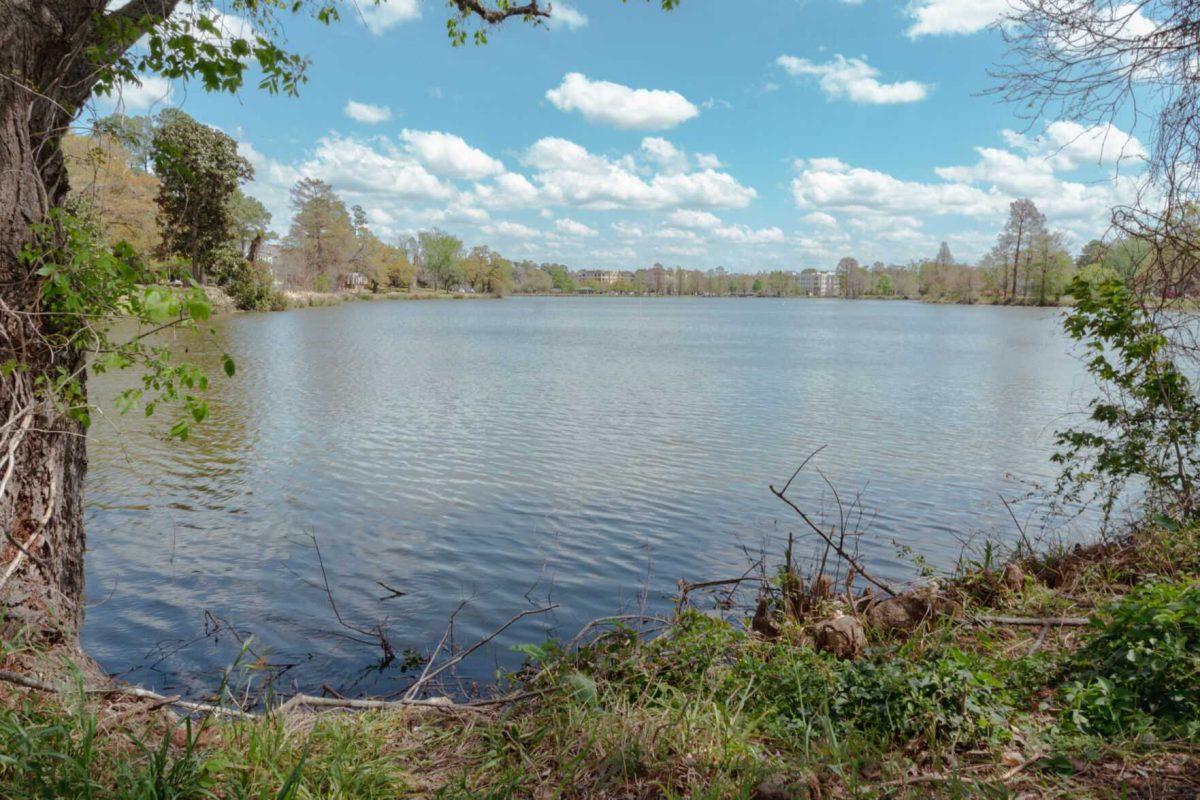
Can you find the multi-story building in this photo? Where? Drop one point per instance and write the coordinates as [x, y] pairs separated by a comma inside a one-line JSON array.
[[604, 277], [815, 283]]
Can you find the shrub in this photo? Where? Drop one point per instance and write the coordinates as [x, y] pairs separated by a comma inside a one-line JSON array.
[[1140, 669], [248, 285], [945, 694]]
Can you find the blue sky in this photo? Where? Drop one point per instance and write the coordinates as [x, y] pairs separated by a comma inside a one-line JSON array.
[[753, 134]]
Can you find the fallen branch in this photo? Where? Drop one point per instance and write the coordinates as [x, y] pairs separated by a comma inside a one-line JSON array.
[[314, 701], [127, 691], [1042, 621]]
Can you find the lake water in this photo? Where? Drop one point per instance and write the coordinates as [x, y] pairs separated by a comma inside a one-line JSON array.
[[586, 451]]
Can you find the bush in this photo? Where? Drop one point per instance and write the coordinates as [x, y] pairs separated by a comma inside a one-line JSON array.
[[1140, 670], [249, 285]]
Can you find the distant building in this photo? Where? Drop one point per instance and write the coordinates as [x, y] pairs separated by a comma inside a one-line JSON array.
[[819, 284], [604, 277], [268, 253], [354, 281]]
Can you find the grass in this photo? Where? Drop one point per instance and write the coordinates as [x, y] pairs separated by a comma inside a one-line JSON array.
[[707, 710]]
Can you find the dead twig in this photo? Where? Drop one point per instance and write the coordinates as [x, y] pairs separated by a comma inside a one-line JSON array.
[[1043, 621], [429, 674], [828, 539]]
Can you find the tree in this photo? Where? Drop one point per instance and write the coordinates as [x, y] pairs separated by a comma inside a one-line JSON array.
[[944, 259], [850, 276], [322, 230], [1093, 252], [250, 222], [118, 198], [54, 55], [135, 134], [199, 170], [441, 256], [1025, 224]]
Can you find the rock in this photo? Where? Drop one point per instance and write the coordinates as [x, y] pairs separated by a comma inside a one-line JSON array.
[[761, 623], [1013, 578], [843, 636], [908, 610], [777, 787]]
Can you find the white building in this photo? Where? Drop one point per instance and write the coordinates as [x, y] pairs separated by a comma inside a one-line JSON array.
[[819, 284]]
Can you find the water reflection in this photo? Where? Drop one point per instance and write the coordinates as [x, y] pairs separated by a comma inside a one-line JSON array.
[[577, 449]]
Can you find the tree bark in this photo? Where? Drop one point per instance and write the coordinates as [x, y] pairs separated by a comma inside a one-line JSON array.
[[44, 81]]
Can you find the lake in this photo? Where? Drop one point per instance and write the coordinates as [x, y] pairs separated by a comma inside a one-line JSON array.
[[588, 452]]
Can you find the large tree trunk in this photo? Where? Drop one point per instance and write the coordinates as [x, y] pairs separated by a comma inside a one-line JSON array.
[[42, 451]]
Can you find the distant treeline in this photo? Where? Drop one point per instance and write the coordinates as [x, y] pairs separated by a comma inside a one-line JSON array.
[[171, 188]]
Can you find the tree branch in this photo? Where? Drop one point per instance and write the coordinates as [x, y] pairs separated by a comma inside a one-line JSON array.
[[493, 16]]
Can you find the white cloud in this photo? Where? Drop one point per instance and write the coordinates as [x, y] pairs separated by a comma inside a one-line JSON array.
[[148, 92], [943, 17], [567, 174], [572, 228], [879, 207], [821, 220], [228, 26], [566, 16], [628, 230], [665, 154], [511, 230], [687, 218], [373, 168], [449, 155], [855, 80], [1070, 145], [367, 113], [743, 234], [381, 17], [826, 184], [621, 106]]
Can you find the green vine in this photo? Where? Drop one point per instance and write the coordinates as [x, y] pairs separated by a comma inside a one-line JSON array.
[[87, 289]]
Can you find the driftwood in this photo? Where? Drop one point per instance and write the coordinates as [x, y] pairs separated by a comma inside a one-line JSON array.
[[127, 691], [1078, 622]]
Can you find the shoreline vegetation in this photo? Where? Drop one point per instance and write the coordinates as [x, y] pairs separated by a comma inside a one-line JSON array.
[[134, 181], [1049, 671], [1074, 672]]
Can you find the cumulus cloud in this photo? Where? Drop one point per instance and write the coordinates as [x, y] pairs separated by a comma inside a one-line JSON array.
[[821, 220], [450, 155], [1070, 145], [743, 234], [572, 228], [511, 230], [566, 16], [382, 17], [687, 218], [567, 174], [892, 209], [367, 113], [665, 154], [827, 183], [855, 80], [146, 93], [376, 167], [946, 17], [621, 106]]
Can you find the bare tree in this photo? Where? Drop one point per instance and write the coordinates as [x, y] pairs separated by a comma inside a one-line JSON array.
[[1100, 62]]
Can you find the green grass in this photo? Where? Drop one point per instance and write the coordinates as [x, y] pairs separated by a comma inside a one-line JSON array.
[[706, 710]]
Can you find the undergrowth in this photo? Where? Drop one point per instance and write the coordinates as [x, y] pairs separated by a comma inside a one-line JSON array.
[[708, 710]]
